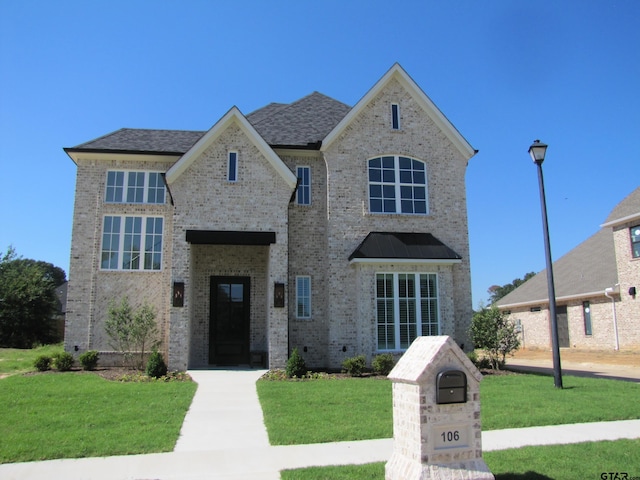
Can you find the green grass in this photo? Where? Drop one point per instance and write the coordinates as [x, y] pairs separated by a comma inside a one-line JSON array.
[[558, 462], [319, 411], [16, 360], [515, 401], [70, 415]]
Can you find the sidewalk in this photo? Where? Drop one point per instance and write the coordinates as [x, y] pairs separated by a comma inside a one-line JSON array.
[[223, 438]]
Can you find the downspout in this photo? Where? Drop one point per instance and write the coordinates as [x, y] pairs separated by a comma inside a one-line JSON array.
[[609, 294]]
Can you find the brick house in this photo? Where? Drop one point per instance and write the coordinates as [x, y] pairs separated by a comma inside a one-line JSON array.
[[596, 289], [334, 229]]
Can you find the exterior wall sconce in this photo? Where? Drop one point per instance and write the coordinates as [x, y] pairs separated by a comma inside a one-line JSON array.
[[632, 292], [278, 295], [178, 294]]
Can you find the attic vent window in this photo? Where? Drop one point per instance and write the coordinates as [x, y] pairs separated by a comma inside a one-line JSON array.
[[395, 116], [232, 167]]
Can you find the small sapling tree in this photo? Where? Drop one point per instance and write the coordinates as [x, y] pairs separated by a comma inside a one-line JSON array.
[[493, 333]]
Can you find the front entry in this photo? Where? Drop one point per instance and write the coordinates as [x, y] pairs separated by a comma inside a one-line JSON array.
[[229, 321]]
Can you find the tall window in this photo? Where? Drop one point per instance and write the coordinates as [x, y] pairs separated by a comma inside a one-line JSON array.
[[232, 167], [304, 186], [397, 185], [131, 243], [586, 313], [395, 116], [303, 297], [635, 241], [134, 187], [407, 308]]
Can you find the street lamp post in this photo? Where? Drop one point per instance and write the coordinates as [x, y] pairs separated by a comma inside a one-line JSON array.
[[537, 152]]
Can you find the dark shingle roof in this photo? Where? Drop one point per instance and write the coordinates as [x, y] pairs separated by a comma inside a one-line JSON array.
[[143, 140], [626, 208], [303, 123], [394, 245], [588, 268]]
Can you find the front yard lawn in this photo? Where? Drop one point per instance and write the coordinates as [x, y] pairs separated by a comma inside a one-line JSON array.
[[559, 462], [316, 411], [70, 415]]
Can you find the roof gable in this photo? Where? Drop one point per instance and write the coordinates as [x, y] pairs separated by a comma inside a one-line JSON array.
[[233, 116], [398, 73]]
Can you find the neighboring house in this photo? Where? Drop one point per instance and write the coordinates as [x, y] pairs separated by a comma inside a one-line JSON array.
[[334, 229], [596, 287]]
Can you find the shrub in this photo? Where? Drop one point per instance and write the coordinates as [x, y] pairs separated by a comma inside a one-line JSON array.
[[296, 366], [493, 333], [42, 363], [383, 364], [89, 359], [354, 366], [156, 367], [482, 363], [63, 361], [132, 331]]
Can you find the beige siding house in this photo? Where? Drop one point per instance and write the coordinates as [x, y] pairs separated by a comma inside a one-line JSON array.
[[314, 225], [596, 285]]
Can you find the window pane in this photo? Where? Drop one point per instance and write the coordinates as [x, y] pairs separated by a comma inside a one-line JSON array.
[[405, 163], [388, 162], [135, 187], [375, 206], [388, 176], [110, 243], [153, 244], [132, 241], [115, 187], [156, 188], [303, 297], [304, 186], [232, 173], [395, 116], [375, 175]]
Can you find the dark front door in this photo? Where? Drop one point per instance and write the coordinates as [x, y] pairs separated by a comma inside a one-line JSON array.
[[229, 321], [563, 326]]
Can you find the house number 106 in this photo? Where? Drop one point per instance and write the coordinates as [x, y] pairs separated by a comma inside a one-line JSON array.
[[450, 436]]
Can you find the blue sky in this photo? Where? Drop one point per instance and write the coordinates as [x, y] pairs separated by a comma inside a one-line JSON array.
[[504, 72]]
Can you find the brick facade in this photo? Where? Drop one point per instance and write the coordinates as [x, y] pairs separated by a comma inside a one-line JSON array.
[[313, 240]]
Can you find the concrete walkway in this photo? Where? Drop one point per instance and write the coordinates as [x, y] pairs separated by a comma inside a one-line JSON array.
[[224, 438]]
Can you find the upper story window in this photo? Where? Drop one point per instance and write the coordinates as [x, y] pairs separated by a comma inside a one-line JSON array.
[[635, 241], [397, 184], [232, 167], [303, 196], [134, 187], [395, 116]]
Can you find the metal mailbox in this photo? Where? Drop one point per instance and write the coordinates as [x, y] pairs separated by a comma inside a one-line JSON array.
[[451, 387]]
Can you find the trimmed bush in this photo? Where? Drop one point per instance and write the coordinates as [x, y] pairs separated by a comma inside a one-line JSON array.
[[42, 363], [63, 361], [383, 364], [296, 366], [89, 360], [156, 367], [354, 366]]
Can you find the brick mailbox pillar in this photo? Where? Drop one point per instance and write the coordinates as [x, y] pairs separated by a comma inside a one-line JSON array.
[[436, 414]]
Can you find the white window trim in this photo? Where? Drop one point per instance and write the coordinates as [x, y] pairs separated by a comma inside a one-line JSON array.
[[125, 187], [396, 307], [397, 185], [303, 317], [121, 243], [309, 186], [235, 172]]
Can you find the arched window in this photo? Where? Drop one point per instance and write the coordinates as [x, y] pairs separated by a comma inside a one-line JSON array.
[[397, 184]]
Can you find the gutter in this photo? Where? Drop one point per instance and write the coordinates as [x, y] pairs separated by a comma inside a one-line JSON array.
[[609, 292]]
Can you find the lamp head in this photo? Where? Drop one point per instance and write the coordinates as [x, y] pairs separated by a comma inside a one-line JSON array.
[[537, 151]]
